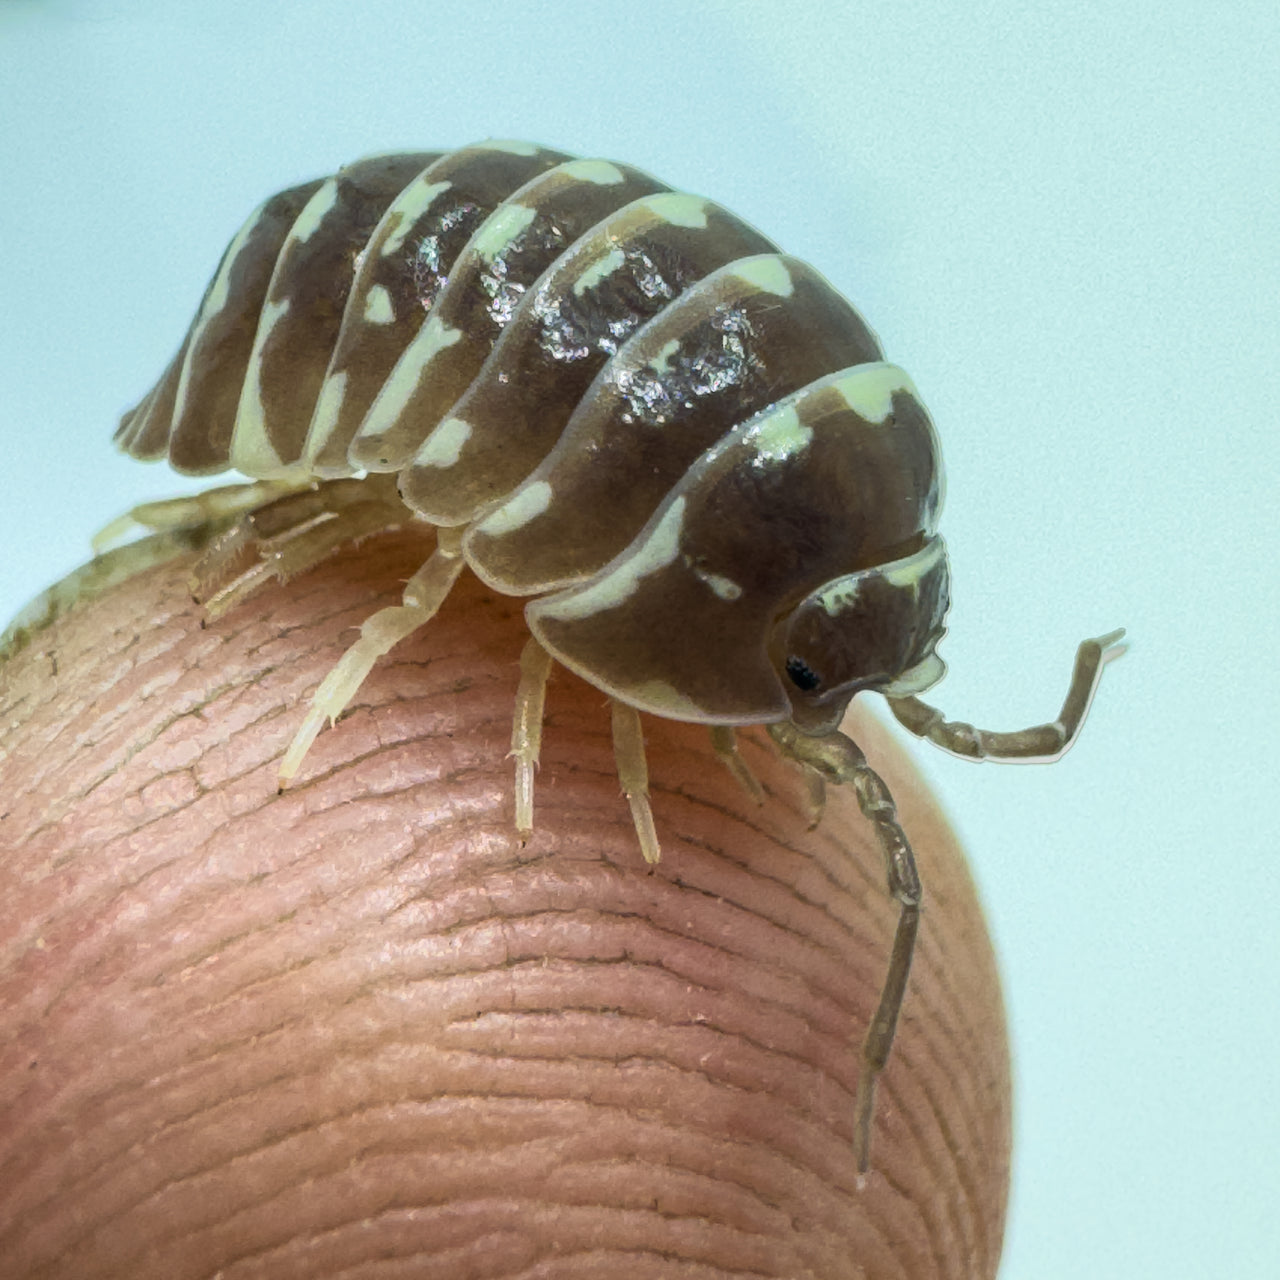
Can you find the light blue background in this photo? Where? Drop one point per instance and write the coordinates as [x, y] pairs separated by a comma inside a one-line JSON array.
[[1062, 220]]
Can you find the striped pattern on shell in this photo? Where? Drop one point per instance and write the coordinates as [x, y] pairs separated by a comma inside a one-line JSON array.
[[621, 401], [637, 407]]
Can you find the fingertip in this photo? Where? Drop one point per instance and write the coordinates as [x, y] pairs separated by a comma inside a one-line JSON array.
[[371, 986]]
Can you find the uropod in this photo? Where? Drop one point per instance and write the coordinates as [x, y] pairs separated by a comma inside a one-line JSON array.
[[618, 401]]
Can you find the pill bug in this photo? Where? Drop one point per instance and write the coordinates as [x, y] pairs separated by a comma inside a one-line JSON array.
[[616, 400]]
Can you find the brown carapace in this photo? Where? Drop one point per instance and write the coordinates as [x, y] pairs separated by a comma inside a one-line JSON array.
[[619, 401]]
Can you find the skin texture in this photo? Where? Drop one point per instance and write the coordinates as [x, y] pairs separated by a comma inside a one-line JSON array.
[[358, 1030]]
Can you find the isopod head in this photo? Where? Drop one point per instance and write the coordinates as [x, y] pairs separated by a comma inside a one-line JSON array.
[[873, 630]]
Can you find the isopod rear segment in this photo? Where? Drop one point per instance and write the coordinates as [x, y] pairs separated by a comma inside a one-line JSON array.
[[616, 400]]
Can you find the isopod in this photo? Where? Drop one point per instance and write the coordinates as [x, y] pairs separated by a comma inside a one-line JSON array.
[[619, 401]]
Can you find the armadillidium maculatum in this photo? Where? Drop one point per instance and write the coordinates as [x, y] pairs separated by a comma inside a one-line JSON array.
[[619, 401]]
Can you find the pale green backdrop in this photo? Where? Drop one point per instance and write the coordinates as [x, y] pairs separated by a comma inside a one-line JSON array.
[[1061, 219]]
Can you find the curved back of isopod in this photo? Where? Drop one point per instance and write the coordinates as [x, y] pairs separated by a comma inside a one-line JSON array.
[[620, 401]]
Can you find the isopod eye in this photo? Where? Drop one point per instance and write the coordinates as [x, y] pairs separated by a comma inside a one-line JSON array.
[[803, 676], [872, 629]]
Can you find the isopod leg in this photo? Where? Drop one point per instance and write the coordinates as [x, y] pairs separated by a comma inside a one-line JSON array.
[[200, 508], [725, 742], [815, 785], [289, 535], [1042, 741], [526, 727], [633, 774], [816, 794], [424, 593], [839, 759], [289, 554]]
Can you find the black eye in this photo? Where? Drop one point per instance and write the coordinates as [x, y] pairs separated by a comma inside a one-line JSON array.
[[802, 675]]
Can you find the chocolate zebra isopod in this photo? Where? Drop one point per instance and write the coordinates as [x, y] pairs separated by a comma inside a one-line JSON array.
[[618, 401]]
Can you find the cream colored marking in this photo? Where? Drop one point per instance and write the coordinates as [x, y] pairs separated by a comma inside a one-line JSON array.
[[377, 306], [527, 503], [435, 336], [679, 208], [599, 172], [328, 409], [251, 452], [768, 273], [724, 587], [666, 700], [313, 213], [500, 228], [661, 363], [504, 144], [869, 388], [598, 270], [219, 291], [408, 207], [908, 572], [221, 286], [443, 447], [779, 435], [402, 385], [610, 589], [921, 678], [842, 593]]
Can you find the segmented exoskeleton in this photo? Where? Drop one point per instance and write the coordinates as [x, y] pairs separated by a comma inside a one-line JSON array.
[[614, 399]]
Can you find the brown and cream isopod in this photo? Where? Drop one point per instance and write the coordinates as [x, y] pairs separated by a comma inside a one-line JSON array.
[[617, 400]]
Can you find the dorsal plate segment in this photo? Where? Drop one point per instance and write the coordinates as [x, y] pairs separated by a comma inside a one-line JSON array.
[[192, 409], [739, 340], [511, 249], [620, 274], [303, 308], [824, 483], [403, 273]]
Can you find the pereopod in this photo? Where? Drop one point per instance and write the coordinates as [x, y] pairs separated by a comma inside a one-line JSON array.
[[615, 399]]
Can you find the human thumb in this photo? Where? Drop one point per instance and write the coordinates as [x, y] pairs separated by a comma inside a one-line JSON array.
[[361, 1029]]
